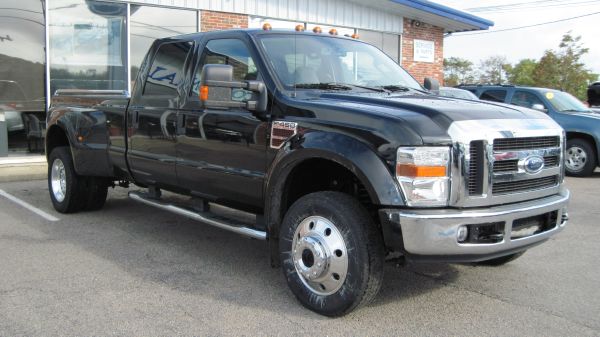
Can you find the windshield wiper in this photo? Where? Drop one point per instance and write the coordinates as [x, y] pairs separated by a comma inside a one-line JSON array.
[[394, 87], [574, 110], [323, 86]]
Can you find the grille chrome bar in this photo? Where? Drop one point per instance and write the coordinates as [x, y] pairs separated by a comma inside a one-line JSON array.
[[524, 185], [526, 143]]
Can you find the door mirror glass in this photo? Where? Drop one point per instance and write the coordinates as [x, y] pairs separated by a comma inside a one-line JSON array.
[[219, 90], [432, 84]]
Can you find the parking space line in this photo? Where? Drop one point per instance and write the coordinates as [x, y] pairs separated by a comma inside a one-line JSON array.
[[28, 206]]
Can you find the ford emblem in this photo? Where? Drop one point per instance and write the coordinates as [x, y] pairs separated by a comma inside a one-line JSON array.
[[533, 164]]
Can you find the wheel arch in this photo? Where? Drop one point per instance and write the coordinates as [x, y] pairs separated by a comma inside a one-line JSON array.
[[337, 152]]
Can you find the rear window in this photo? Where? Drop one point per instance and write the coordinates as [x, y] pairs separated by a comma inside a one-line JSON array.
[[166, 73], [493, 95]]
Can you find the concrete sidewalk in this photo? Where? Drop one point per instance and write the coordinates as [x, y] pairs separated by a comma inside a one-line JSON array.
[[19, 168]]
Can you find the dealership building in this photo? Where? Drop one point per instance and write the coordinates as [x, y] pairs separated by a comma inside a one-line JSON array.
[[47, 45]]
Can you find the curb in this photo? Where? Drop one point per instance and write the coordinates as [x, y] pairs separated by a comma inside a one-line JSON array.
[[23, 168]]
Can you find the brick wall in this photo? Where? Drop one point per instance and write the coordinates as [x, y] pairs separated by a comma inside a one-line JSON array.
[[420, 70], [210, 20]]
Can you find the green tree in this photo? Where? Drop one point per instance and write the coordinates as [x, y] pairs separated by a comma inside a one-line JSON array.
[[457, 70], [522, 72], [563, 69], [493, 70]]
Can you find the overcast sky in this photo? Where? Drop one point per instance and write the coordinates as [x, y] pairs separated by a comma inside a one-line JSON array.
[[528, 42]]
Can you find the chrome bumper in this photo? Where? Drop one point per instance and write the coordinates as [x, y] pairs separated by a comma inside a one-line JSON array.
[[434, 232]]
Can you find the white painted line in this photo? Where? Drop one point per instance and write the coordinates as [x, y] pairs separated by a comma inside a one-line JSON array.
[[29, 207]]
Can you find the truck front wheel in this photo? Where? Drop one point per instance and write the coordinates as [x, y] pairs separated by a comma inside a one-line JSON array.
[[331, 252]]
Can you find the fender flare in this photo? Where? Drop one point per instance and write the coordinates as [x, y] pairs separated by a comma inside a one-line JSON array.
[[347, 151]]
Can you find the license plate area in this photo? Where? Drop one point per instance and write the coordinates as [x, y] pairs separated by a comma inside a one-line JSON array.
[[524, 227]]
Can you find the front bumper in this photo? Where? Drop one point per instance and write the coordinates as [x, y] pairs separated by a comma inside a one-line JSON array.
[[431, 235]]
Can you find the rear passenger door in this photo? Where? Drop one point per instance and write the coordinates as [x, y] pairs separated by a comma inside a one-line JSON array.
[[152, 115]]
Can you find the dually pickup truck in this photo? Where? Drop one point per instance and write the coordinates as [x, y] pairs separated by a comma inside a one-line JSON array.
[[339, 155]]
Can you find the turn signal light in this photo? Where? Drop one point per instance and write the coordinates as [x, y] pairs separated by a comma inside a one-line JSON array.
[[317, 30], [333, 31], [414, 171], [300, 28], [355, 36], [204, 93], [267, 26]]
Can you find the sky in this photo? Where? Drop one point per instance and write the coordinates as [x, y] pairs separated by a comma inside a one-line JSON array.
[[528, 42]]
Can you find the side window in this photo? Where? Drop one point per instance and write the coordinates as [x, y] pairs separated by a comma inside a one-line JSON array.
[[166, 72], [525, 99], [494, 95], [234, 53]]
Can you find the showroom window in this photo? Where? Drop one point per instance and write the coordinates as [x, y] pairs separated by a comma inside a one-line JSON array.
[[88, 45], [150, 23], [22, 59]]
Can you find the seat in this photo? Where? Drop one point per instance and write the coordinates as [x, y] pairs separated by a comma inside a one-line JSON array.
[[35, 132]]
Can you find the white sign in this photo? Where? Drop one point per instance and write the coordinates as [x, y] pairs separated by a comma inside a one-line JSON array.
[[424, 51]]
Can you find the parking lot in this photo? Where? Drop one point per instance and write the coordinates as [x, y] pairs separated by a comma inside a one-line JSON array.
[[133, 270]]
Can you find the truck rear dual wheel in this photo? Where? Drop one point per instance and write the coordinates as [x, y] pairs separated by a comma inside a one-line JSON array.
[[580, 160], [331, 252], [69, 191]]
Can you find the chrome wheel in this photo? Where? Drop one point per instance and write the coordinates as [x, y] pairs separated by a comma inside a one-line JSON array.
[[58, 180], [320, 256], [576, 159]]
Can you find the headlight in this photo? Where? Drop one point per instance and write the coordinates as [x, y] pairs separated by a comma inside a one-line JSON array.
[[423, 174]]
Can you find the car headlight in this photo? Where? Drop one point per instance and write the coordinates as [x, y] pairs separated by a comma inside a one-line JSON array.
[[423, 174]]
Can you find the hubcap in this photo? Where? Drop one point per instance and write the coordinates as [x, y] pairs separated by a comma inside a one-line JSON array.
[[576, 158], [58, 180], [320, 255]]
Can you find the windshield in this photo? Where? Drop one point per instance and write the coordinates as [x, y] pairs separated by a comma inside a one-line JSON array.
[[302, 61], [564, 102]]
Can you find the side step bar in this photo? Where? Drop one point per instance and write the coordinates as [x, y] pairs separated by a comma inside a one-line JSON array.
[[206, 217]]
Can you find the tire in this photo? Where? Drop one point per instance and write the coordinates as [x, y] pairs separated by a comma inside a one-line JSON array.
[[346, 242], [97, 189], [580, 159], [500, 260], [66, 187]]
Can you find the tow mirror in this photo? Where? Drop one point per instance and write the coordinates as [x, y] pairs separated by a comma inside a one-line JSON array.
[[539, 107], [219, 90], [432, 84]]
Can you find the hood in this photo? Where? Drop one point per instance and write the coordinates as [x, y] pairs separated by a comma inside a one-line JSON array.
[[427, 117]]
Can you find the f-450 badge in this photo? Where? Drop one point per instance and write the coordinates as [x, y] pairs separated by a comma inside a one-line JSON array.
[[282, 131]]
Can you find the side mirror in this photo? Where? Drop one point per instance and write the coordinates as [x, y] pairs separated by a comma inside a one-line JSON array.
[[432, 85], [217, 89], [539, 107]]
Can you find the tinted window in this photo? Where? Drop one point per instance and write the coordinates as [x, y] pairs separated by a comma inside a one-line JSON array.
[[525, 99], [231, 52], [493, 95], [166, 72]]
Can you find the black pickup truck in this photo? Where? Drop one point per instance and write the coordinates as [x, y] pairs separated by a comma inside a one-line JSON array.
[[340, 156]]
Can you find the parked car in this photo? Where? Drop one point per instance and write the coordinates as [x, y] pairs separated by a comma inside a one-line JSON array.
[[582, 125], [593, 94], [457, 93], [339, 161]]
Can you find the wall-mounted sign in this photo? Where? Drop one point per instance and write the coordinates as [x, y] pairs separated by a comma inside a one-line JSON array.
[[424, 51]]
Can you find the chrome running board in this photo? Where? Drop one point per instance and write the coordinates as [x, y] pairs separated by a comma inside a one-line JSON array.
[[205, 217]]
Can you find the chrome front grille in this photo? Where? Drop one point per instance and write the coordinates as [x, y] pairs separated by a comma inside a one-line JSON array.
[[496, 161]]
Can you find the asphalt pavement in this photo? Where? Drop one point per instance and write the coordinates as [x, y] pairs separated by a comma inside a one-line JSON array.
[[132, 270]]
